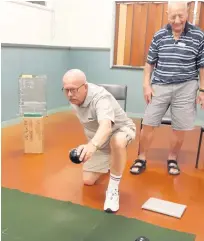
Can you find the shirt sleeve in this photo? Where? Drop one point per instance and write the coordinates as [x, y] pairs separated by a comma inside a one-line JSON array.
[[104, 109], [200, 57], [152, 56]]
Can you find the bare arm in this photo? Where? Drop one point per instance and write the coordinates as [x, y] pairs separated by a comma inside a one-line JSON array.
[[103, 132], [105, 116], [200, 99], [147, 89], [202, 78], [147, 74]]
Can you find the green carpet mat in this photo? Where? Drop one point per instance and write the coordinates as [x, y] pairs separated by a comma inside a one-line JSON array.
[[28, 217]]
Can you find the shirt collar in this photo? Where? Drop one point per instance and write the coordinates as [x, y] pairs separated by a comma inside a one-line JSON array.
[[88, 97], [186, 28]]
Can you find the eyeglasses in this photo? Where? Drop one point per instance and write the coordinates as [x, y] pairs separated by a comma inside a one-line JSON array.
[[72, 91]]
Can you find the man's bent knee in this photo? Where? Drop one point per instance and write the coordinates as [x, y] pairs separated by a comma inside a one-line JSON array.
[[118, 140], [90, 178]]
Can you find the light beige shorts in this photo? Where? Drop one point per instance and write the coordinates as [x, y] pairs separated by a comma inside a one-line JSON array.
[[100, 161], [179, 99]]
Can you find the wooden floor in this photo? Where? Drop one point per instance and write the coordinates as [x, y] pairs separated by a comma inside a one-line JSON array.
[[52, 174]]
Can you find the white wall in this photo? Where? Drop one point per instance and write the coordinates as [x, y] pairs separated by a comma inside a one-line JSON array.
[[90, 25], [81, 23], [24, 23]]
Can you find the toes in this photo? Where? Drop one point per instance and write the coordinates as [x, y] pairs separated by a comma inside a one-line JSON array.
[[174, 171], [135, 169]]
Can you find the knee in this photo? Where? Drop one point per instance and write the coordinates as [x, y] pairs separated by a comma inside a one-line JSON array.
[[88, 181], [90, 178], [118, 141], [181, 139], [179, 135]]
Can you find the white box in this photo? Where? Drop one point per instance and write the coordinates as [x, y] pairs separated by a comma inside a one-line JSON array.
[[164, 207]]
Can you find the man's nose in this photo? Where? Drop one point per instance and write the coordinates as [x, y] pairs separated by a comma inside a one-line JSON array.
[[69, 93], [177, 20]]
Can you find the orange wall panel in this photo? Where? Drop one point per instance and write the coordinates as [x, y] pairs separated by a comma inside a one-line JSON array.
[[201, 18], [165, 16], [191, 12], [139, 34], [117, 14], [153, 24], [128, 37], [121, 34]]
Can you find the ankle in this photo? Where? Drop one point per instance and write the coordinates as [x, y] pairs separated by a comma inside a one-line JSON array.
[[172, 157], [142, 156], [114, 182]]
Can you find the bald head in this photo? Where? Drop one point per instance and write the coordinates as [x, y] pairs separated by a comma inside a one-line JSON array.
[[75, 86], [74, 77], [177, 5], [177, 15]]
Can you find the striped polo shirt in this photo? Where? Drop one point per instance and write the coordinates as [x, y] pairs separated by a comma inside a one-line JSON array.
[[176, 61]]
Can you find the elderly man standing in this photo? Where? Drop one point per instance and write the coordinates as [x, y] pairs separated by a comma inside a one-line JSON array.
[[108, 130], [176, 56]]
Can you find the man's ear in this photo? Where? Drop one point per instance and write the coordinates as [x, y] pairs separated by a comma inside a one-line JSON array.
[[86, 86]]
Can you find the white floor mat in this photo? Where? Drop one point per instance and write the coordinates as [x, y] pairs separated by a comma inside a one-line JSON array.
[[164, 207]]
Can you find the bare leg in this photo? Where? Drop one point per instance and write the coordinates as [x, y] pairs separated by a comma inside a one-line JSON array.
[[146, 138], [118, 159], [118, 153], [175, 146], [118, 145], [90, 178]]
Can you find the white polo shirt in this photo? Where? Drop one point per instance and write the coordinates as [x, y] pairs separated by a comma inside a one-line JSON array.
[[99, 105]]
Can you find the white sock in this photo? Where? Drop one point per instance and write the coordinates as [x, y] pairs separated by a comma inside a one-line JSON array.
[[114, 182]]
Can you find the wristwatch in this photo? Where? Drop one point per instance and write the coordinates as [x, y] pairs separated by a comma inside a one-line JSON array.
[[201, 90]]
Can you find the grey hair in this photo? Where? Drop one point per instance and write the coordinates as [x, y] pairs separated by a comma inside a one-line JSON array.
[[173, 2]]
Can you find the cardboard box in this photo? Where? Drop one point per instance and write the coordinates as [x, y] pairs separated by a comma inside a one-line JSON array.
[[33, 133]]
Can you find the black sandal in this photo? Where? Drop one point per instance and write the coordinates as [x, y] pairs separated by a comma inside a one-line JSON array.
[[172, 164], [140, 165]]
